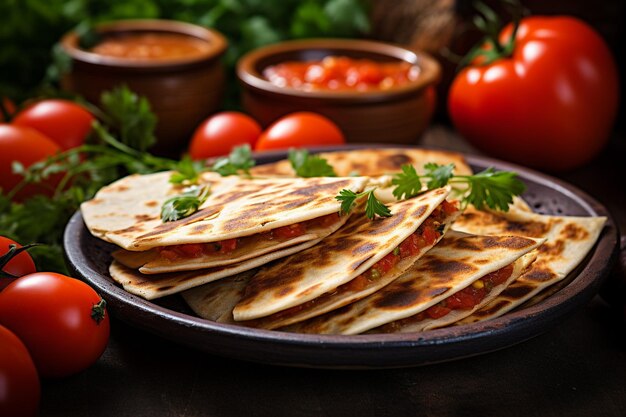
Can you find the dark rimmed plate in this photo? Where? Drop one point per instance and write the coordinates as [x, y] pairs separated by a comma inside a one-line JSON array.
[[89, 258]]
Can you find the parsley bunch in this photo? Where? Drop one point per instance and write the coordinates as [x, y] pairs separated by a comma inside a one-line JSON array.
[[491, 188], [116, 148]]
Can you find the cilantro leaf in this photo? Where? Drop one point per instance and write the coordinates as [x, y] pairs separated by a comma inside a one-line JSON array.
[[187, 171], [374, 207], [439, 174], [408, 183], [240, 159], [493, 188], [184, 205], [490, 187], [307, 166], [347, 199], [131, 116]]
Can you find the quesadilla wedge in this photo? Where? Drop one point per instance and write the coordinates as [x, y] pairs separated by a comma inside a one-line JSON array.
[[373, 162], [569, 240], [240, 220], [215, 301], [159, 285], [359, 258], [462, 270]]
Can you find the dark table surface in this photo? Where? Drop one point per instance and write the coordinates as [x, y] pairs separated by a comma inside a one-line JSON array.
[[577, 368]]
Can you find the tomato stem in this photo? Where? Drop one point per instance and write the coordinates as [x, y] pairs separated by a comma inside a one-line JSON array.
[[12, 253], [490, 49], [98, 311]]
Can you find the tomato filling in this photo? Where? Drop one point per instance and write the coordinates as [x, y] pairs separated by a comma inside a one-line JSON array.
[[425, 235], [341, 73], [465, 299], [196, 250]]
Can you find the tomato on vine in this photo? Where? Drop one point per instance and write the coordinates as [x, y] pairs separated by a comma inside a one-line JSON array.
[[543, 93]]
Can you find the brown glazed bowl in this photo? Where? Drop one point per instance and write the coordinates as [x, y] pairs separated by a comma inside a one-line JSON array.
[[397, 115], [182, 91]]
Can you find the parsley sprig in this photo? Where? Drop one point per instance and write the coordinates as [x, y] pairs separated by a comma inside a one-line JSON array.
[[187, 171], [238, 161], [374, 207], [308, 166], [491, 188], [186, 204]]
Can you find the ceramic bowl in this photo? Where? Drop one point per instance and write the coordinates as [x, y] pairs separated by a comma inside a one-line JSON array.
[[395, 115], [182, 91]]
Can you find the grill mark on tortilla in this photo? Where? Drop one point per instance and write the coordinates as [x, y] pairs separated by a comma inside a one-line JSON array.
[[394, 161], [517, 291], [513, 242], [320, 189], [168, 226], [554, 249], [398, 217], [574, 232], [539, 274], [144, 217], [133, 228], [201, 228], [442, 268], [151, 203], [399, 299]]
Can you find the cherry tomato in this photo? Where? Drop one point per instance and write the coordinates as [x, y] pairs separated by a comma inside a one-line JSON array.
[[60, 320], [19, 382], [298, 130], [19, 265], [218, 134], [66, 123], [25, 145], [550, 105]]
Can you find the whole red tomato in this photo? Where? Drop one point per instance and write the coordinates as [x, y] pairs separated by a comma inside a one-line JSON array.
[[298, 130], [61, 320], [25, 145], [19, 382], [19, 265], [218, 134], [65, 122], [550, 105]]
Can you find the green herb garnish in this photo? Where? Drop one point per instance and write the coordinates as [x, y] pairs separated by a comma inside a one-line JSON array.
[[308, 166], [186, 204], [491, 188], [187, 171], [373, 207], [240, 159]]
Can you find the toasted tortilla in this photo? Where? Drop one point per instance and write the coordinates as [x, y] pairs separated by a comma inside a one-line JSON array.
[[338, 259], [149, 262], [127, 212], [215, 301], [159, 285], [569, 239], [456, 262], [374, 162]]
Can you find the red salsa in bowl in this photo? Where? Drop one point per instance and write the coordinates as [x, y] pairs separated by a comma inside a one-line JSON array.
[[339, 73]]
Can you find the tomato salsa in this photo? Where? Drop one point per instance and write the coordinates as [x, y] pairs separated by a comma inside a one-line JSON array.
[[196, 250], [465, 299], [151, 45], [341, 73]]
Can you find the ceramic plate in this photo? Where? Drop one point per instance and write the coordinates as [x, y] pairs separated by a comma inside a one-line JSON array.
[[89, 258]]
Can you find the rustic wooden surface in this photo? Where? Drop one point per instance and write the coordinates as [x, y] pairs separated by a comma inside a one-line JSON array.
[[576, 369]]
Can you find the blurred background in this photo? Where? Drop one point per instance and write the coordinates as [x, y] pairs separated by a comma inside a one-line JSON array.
[[30, 62]]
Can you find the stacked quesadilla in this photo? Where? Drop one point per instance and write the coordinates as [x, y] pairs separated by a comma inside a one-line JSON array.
[[448, 283], [359, 259], [273, 252], [569, 240], [243, 224]]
